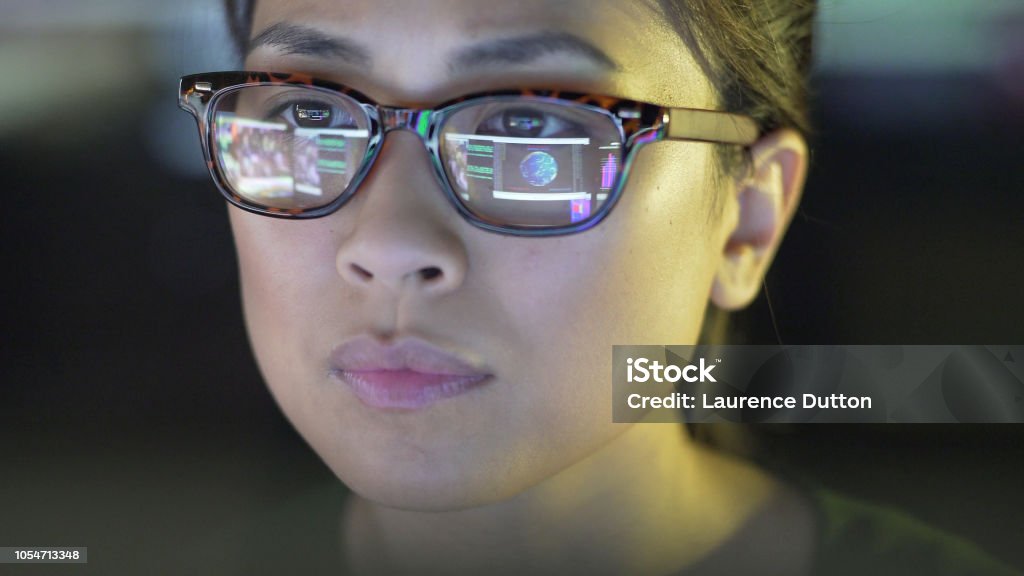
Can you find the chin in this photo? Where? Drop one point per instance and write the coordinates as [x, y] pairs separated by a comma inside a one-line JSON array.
[[438, 487]]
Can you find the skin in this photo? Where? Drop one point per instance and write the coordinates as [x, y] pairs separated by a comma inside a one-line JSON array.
[[527, 472]]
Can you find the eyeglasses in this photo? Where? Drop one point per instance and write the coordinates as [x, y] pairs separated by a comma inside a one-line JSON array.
[[524, 162]]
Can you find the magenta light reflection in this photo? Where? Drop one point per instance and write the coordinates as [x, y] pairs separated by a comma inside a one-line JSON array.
[[608, 170]]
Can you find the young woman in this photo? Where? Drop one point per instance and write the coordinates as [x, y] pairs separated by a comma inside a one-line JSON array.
[[447, 213]]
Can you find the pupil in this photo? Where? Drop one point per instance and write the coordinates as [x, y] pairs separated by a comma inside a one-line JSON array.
[[525, 123]]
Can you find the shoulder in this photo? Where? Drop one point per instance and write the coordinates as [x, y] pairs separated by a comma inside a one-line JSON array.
[[856, 537]]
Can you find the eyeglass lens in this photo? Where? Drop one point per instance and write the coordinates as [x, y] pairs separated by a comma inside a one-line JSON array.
[[511, 161]]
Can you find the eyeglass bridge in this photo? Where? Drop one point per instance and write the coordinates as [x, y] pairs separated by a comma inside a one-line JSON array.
[[398, 118]]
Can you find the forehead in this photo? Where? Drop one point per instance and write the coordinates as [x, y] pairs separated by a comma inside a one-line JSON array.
[[411, 48]]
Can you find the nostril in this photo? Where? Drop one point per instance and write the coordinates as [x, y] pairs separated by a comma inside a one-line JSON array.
[[361, 272], [430, 273]]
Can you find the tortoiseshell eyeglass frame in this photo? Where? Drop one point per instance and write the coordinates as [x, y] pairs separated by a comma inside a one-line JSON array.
[[638, 123]]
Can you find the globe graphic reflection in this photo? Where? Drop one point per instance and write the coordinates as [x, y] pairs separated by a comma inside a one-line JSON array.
[[538, 168]]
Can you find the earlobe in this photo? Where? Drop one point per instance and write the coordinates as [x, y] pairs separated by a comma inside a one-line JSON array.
[[765, 204]]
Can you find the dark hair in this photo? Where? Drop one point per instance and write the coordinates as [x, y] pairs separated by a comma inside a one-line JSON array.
[[757, 54], [239, 17]]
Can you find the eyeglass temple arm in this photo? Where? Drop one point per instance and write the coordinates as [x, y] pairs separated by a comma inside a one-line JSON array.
[[710, 126]]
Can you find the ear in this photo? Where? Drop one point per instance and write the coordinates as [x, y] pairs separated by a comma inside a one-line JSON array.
[[764, 205]]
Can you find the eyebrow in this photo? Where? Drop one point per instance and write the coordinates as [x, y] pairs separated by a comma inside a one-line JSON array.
[[307, 41], [527, 48]]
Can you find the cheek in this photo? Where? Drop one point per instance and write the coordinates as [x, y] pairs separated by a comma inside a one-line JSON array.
[[640, 277], [286, 275]]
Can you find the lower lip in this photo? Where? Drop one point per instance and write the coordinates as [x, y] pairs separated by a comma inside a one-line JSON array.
[[405, 389]]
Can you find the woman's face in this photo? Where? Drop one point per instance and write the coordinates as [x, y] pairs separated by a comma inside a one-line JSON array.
[[538, 316]]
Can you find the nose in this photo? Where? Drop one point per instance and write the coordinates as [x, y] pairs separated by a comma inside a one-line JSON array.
[[403, 235]]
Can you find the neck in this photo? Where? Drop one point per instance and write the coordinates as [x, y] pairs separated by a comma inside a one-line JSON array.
[[649, 502]]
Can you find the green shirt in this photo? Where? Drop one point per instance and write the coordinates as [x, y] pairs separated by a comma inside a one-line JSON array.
[[302, 535], [859, 538]]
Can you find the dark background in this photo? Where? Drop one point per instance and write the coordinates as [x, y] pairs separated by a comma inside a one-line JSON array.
[[133, 420]]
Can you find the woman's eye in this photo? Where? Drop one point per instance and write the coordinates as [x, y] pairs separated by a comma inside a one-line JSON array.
[[527, 123], [311, 114]]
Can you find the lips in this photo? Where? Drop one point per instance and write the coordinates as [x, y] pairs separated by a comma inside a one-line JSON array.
[[409, 374]]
